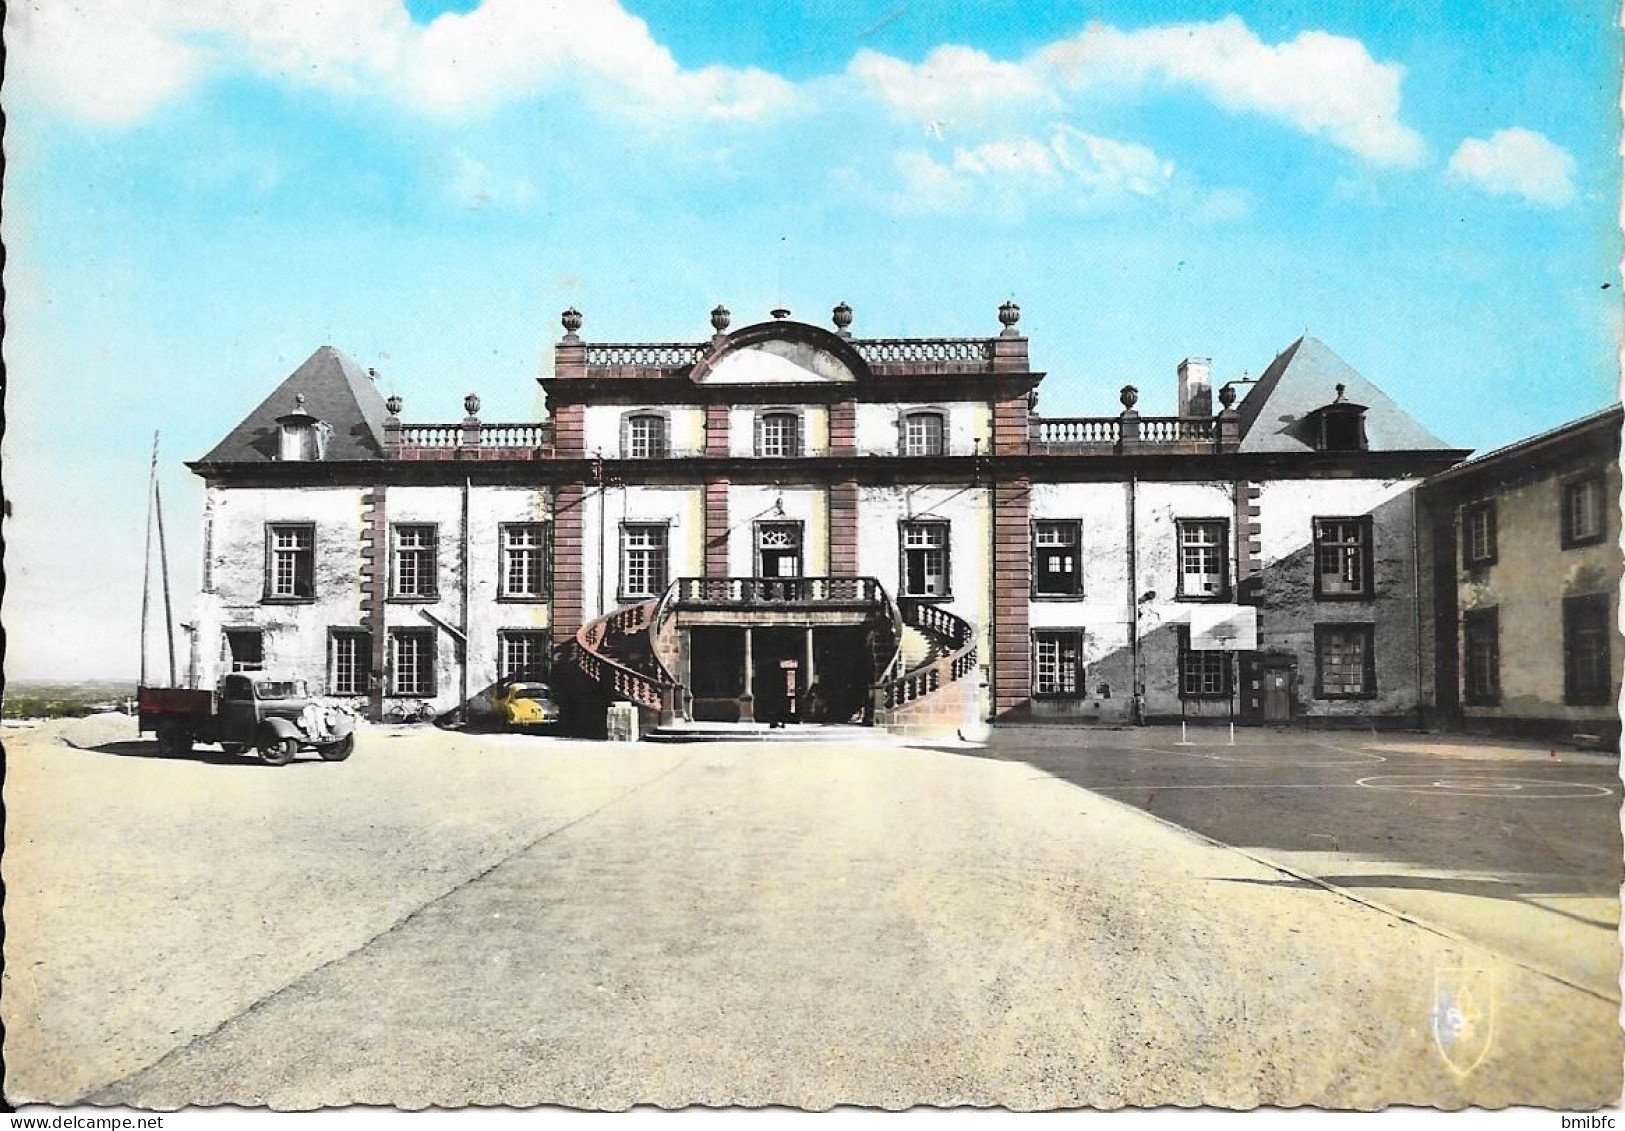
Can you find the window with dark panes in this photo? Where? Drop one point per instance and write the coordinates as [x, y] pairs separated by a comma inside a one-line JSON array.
[[291, 562], [1588, 672], [778, 434], [351, 661], [1344, 665], [411, 655], [1057, 558], [643, 559], [245, 648], [1343, 557], [414, 566], [1481, 653], [923, 434], [522, 654], [1584, 518], [524, 560], [1203, 673], [925, 559], [1058, 663], [1203, 558], [645, 437]]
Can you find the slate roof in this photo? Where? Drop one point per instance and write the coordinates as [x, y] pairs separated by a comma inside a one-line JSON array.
[[336, 390], [1303, 378]]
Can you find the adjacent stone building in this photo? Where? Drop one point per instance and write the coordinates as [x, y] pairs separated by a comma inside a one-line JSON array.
[[787, 522], [1525, 542]]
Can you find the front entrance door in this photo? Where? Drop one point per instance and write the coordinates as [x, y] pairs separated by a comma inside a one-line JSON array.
[[1278, 681], [778, 549]]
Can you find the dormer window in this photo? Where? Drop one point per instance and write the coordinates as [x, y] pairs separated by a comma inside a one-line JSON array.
[[301, 436], [1339, 426], [923, 434], [644, 436], [778, 434]]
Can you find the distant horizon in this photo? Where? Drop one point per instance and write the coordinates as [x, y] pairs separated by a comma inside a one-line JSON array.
[[198, 198]]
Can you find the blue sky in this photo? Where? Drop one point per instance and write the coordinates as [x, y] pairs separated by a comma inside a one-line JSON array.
[[200, 195]]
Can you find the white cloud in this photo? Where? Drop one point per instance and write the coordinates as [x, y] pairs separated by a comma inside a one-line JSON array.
[[1323, 85], [1110, 168], [1022, 156], [118, 60], [1517, 162], [928, 185], [951, 87], [474, 184]]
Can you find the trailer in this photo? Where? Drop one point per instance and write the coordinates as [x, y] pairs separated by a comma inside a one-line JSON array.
[[277, 718]]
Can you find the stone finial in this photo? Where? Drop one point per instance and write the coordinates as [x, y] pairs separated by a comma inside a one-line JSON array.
[[1009, 315], [720, 317], [393, 404], [1227, 395], [842, 316], [299, 402], [571, 320], [1130, 396], [1341, 389], [471, 404], [780, 312]]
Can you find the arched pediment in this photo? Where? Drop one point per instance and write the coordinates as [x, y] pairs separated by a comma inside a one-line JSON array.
[[781, 353]]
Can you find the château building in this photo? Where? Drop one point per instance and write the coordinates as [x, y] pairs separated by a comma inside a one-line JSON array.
[[788, 522]]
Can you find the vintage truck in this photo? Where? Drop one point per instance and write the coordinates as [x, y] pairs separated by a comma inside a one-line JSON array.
[[275, 717]]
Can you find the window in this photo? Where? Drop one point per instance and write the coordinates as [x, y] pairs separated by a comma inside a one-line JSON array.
[[290, 562], [1584, 521], [1342, 429], [1203, 559], [522, 654], [1478, 534], [245, 648], [411, 662], [1342, 557], [645, 437], [643, 560], [524, 561], [1481, 632], [925, 559], [1202, 674], [778, 434], [1588, 674], [350, 661], [1344, 666], [923, 434], [1057, 570], [414, 572], [778, 549], [1058, 664]]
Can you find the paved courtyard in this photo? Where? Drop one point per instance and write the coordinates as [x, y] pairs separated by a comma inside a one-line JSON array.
[[448, 919]]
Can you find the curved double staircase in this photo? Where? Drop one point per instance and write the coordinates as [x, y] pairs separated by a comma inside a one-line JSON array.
[[626, 652]]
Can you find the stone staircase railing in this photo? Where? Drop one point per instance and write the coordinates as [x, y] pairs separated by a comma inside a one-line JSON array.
[[956, 640], [656, 691]]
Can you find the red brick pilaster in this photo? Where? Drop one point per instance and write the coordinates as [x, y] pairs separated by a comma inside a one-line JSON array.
[[843, 530], [568, 583], [843, 428], [569, 435], [716, 430], [374, 564], [716, 524], [1012, 564]]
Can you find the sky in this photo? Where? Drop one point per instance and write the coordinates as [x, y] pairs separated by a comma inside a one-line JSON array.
[[199, 193]]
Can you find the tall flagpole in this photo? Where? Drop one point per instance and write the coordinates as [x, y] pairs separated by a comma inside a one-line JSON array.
[[163, 559], [146, 560]]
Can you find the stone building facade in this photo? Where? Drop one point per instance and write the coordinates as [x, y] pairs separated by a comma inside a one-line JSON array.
[[1524, 600], [787, 522]]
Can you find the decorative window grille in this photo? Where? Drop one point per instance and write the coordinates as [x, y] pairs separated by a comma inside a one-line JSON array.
[[1203, 553], [925, 559], [415, 561], [1058, 663], [643, 560], [1057, 568], [1342, 557], [291, 568], [524, 560]]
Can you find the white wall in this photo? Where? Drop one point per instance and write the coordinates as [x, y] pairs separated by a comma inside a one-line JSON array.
[[683, 508], [750, 504], [742, 428], [601, 427], [876, 426]]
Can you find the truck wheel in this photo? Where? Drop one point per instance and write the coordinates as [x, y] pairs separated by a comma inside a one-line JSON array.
[[278, 751], [174, 740], [338, 751]]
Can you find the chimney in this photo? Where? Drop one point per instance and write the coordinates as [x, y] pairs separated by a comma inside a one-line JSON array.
[[1195, 387]]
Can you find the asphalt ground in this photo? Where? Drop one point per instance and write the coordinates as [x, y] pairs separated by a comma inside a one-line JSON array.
[[1514, 845], [448, 919]]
